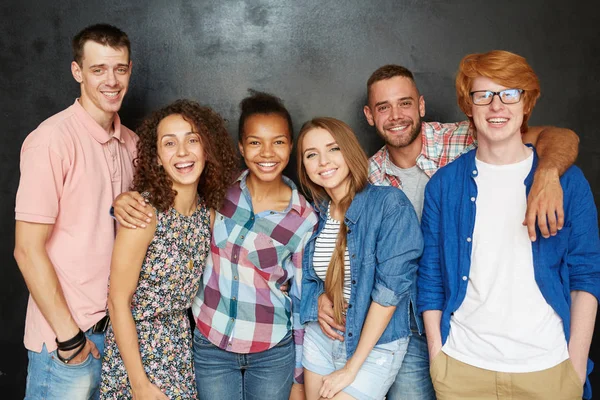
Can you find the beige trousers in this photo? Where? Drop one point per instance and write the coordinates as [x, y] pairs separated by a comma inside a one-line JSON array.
[[455, 380]]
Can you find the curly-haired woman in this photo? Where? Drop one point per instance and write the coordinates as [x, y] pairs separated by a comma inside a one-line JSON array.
[[248, 337], [185, 164]]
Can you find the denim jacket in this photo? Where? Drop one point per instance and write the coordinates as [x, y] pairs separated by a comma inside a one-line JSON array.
[[384, 244], [563, 263]]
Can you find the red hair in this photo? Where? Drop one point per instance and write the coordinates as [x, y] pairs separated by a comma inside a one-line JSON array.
[[504, 68]]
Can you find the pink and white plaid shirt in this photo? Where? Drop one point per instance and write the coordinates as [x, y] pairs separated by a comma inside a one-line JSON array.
[[442, 143]]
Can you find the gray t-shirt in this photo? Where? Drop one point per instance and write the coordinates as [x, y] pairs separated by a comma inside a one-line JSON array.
[[413, 184]]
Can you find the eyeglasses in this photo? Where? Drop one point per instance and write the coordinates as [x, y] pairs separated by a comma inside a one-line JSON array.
[[485, 97]]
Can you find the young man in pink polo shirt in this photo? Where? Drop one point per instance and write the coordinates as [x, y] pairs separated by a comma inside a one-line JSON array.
[[72, 167]]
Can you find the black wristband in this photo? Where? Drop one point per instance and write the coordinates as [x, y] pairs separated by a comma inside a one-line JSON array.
[[71, 343], [112, 212], [72, 356]]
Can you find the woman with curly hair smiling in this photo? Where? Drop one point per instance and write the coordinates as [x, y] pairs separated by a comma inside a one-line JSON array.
[[185, 164], [248, 337]]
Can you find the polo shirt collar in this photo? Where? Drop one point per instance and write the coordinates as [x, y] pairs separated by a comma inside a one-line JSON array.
[[94, 128]]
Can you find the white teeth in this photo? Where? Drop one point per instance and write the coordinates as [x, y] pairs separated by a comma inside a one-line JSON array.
[[184, 165], [267, 164], [327, 173], [497, 120], [398, 128], [110, 94]]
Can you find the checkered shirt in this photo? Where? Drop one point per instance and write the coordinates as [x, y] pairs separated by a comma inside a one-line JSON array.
[[239, 306], [442, 143]]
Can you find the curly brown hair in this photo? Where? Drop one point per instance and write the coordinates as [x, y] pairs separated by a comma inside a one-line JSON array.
[[221, 159]]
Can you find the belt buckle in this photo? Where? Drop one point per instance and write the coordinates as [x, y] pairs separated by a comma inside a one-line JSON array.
[[100, 326]]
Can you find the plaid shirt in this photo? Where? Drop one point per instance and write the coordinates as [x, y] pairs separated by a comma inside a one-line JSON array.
[[239, 306], [442, 143]]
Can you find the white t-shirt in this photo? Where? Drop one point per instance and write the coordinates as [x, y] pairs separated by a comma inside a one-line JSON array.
[[504, 323], [324, 247]]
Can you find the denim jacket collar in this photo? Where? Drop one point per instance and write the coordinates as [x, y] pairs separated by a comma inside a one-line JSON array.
[[353, 213]]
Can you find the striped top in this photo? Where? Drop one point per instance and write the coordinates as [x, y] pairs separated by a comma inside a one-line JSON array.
[[324, 247]]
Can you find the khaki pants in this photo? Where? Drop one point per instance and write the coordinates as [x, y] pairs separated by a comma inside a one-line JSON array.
[[454, 380]]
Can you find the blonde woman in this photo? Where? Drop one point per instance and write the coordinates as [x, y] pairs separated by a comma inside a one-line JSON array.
[[364, 257]]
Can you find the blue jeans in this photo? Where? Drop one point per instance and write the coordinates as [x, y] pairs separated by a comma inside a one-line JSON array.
[[49, 378], [413, 382], [221, 374]]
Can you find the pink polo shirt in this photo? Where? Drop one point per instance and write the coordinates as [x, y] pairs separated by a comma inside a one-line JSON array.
[[71, 170]]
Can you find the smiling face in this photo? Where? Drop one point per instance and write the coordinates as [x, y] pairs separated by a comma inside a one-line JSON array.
[[266, 146], [496, 122], [395, 110], [104, 78], [324, 162], [180, 151]]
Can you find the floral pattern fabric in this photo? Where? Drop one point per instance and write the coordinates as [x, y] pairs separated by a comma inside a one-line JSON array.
[[169, 279]]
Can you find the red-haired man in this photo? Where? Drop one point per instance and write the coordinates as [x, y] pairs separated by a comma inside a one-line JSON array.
[[504, 315]]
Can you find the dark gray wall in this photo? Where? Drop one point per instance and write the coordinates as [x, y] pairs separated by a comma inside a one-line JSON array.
[[316, 55]]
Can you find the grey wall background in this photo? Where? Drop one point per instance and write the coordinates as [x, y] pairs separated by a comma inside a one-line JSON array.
[[316, 55]]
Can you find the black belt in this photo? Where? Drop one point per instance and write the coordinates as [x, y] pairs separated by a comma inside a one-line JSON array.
[[100, 326]]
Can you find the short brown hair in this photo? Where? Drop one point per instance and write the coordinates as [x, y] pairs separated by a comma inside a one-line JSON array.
[[104, 34], [358, 165], [503, 67], [221, 158], [389, 71]]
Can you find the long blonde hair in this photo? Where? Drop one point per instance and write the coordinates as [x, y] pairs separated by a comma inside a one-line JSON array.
[[358, 165]]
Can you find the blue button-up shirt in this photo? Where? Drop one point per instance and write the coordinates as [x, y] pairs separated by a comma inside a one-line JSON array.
[[563, 263], [384, 243]]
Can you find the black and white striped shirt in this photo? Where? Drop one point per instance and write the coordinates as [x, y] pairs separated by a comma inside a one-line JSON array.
[[324, 247]]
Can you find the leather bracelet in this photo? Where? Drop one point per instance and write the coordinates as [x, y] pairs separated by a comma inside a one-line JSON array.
[[71, 343], [72, 356]]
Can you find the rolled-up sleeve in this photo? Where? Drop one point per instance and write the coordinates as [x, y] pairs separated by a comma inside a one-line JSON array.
[[399, 246]]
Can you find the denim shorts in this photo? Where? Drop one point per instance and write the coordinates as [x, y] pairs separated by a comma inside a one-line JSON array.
[[322, 355]]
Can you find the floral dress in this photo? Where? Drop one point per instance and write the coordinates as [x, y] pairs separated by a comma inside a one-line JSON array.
[[169, 279]]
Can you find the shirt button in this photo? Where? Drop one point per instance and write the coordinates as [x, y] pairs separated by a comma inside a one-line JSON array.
[[235, 278], [272, 212], [474, 172], [232, 319], [233, 298], [353, 281], [349, 231], [234, 256], [350, 334], [464, 278], [228, 344], [469, 239], [353, 255], [472, 198], [349, 306], [242, 236]]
